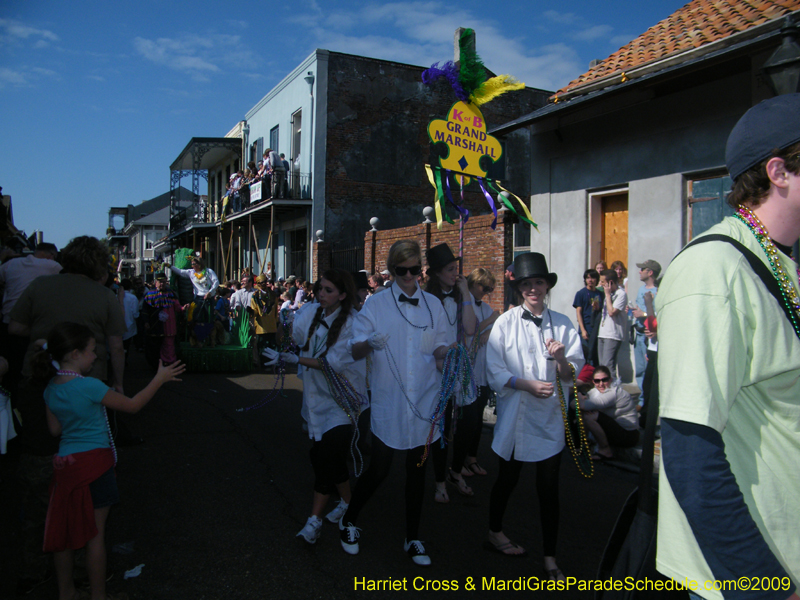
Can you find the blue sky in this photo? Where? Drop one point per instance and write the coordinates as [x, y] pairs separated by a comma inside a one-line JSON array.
[[98, 98]]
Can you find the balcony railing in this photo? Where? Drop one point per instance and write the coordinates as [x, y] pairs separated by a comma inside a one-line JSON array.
[[297, 186]]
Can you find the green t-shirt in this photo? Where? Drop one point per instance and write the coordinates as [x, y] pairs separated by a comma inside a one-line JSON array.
[[729, 359]]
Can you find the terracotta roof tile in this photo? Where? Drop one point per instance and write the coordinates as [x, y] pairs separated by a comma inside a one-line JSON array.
[[698, 23]]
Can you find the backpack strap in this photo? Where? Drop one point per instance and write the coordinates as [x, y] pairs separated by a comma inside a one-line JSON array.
[[757, 265]]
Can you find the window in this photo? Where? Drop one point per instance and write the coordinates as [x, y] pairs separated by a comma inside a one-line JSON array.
[[707, 206], [273, 139]]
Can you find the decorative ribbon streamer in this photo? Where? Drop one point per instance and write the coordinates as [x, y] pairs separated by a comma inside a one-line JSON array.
[[436, 204], [490, 200], [528, 218], [440, 193], [463, 211]]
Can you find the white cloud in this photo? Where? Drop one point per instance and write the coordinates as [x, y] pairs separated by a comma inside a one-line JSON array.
[[24, 76], [199, 56], [561, 18], [11, 77], [16, 33], [421, 33], [593, 33]]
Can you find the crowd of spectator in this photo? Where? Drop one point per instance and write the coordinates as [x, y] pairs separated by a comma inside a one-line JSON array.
[[272, 172]]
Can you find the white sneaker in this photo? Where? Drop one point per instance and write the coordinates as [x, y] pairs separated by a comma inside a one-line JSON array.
[[312, 530], [349, 534], [336, 514], [417, 553]]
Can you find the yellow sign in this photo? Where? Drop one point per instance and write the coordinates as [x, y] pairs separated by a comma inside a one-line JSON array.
[[464, 134]]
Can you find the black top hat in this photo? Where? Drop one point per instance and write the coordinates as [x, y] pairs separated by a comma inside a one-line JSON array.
[[360, 279], [439, 256], [161, 276], [532, 264]]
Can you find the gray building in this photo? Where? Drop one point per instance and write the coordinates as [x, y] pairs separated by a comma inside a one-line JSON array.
[[627, 162]]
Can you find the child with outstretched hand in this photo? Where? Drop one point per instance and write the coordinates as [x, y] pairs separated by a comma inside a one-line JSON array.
[[84, 484]]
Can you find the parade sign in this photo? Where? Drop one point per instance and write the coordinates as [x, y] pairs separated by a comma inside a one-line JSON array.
[[464, 135], [255, 192]]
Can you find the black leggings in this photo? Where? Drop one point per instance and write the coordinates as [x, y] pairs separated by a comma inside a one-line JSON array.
[[379, 466], [439, 453], [467, 437], [329, 459], [468, 433], [546, 489]]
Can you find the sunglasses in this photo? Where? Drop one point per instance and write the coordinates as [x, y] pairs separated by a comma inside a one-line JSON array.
[[400, 271], [488, 289], [602, 380]]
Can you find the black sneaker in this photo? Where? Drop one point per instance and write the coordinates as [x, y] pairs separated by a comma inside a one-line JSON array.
[[417, 553], [349, 535]]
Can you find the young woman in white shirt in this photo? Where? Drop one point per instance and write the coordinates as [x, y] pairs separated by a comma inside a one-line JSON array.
[[450, 287], [324, 332], [529, 348], [404, 329]]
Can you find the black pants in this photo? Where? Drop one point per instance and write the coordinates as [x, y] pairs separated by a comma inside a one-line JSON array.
[[439, 451], [467, 436], [617, 435], [329, 459], [379, 466], [547, 471]]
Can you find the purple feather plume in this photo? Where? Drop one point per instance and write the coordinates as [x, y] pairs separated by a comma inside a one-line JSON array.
[[449, 71]]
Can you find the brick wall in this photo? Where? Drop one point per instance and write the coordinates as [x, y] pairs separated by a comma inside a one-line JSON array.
[[483, 246]]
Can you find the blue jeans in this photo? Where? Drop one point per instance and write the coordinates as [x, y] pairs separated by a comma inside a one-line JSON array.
[[640, 358]]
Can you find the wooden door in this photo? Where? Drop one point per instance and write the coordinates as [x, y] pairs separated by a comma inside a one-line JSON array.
[[615, 228]]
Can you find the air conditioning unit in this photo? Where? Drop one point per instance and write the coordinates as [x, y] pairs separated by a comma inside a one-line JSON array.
[[149, 254]]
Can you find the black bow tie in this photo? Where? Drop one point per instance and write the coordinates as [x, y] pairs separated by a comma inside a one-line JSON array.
[[450, 293], [478, 302], [531, 317], [411, 301]]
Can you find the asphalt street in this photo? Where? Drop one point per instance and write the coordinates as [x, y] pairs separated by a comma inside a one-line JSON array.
[[212, 500]]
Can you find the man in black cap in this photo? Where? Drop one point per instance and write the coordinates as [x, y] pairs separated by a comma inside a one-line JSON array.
[[729, 370]]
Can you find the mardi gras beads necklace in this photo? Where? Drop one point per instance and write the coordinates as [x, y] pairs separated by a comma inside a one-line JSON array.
[[395, 370], [350, 401], [105, 413], [788, 291], [430, 314], [456, 374], [580, 450]]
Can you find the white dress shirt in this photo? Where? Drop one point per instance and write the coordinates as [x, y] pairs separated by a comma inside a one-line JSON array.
[[401, 419], [320, 410], [482, 312], [529, 428], [208, 282], [242, 298]]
